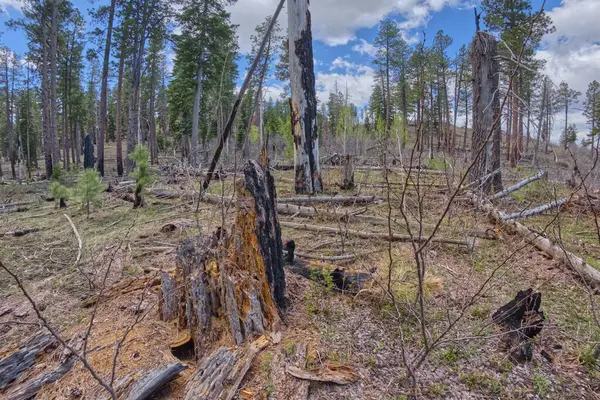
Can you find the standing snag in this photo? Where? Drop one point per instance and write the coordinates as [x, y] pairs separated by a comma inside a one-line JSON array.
[[485, 148], [303, 103], [88, 152]]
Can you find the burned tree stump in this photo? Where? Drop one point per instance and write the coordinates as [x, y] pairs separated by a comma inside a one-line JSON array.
[[523, 320], [232, 288], [347, 173]]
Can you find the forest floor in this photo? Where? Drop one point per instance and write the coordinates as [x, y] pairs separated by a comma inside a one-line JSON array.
[[366, 331]]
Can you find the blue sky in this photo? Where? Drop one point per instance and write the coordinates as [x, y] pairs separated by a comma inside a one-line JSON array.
[[344, 30]]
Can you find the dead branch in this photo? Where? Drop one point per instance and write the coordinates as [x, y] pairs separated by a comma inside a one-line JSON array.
[[535, 211], [518, 186], [154, 380], [348, 200], [370, 235], [55, 334], [330, 373], [20, 232], [79, 242]]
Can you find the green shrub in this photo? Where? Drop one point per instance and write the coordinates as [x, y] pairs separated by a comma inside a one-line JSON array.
[[89, 190], [141, 174], [438, 164], [60, 193]]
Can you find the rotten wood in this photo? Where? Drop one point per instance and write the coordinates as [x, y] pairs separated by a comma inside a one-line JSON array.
[[155, 379], [12, 366], [220, 374], [330, 373]]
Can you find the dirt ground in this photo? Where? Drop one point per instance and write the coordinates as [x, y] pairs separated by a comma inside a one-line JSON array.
[[366, 331]]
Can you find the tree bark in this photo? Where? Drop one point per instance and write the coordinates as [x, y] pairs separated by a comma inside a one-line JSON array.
[[53, 76], [104, 89], [303, 103], [486, 112], [9, 119], [119, 107]]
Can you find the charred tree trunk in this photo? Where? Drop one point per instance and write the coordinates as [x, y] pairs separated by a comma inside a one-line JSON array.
[[235, 289], [485, 147], [104, 89], [303, 103]]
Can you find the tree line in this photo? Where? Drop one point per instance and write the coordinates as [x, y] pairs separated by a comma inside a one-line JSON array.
[[114, 83]]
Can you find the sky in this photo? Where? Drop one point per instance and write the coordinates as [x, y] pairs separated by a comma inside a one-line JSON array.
[[344, 31]]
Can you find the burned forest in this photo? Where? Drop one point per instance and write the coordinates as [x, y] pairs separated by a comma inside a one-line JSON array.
[[286, 199]]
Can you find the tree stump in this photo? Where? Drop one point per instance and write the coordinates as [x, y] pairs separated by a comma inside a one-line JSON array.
[[230, 288], [347, 173]]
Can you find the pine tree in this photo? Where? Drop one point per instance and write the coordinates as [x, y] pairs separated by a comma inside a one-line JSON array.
[[567, 97], [141, 174], [592, 112], [89, 190]]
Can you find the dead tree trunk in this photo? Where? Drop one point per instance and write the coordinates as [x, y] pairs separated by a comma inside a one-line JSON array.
[[230, 292], [347, 174], [303, 103], [485, 148]]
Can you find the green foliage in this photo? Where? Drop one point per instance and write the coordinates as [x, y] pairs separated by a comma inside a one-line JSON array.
[[541, 384], [89, 190], [141, 173], [449, 355], [438, 164], [570, 136], [58, 173], [60, 192]]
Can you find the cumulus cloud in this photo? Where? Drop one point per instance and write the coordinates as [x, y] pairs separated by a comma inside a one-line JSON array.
[[364, 47], [335, 22], [572, 53], [14, 4], [359, 79]]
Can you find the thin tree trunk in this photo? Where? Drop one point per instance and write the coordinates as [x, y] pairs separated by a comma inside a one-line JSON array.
[[119, 106], [9, 120], [152, 121], [53, 76], [540, 122], [104, 90], [514, 150], [303, 102], [196, 115]]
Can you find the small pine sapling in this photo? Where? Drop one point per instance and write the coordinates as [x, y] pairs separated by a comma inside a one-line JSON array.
[[141, 174], [60, 194], [57, 189], [89, 190]]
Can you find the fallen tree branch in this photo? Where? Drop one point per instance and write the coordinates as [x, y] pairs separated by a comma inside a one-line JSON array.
[[79, 242], [20, 232], [540, 242], [518, 186], [535, 211], [343, 257], [331, 199], [330, 373], [369, 235]]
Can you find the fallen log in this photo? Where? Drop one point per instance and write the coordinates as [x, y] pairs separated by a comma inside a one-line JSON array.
[[346, 200], [370, 235], [342, 280], [154, 380], [295, 210], [15, 204], [535, 211], [330, 373], [20, 232], [31, 388], [540, 242], [14, 365], [219, 375], [518, 186]]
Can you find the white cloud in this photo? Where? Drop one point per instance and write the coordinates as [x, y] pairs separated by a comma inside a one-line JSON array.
[[364, 47], [572, 53], [14, 4], [335, 22], [359, 79]]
